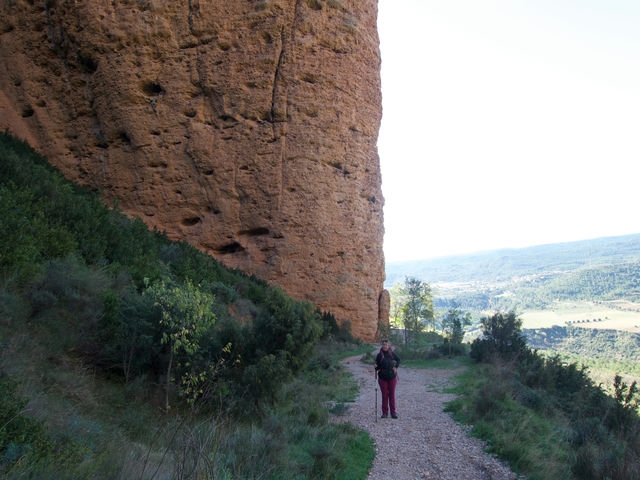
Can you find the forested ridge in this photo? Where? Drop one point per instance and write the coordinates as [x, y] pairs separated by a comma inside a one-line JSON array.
[[535, 278], [505, 264], [586, 342], [603, 283]]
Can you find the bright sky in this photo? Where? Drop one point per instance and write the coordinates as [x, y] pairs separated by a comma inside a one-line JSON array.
[[508, 123]]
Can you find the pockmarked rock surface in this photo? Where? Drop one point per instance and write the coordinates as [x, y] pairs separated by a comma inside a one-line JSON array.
[[424, 442], [247, 128]]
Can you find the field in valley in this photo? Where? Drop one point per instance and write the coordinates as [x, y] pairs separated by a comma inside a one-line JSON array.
[[587, 315]]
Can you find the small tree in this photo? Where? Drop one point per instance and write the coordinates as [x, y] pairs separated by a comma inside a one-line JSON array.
[[626, 395], [453, 325], [501, 335], [186, 316], [417, 309], [398, 299]]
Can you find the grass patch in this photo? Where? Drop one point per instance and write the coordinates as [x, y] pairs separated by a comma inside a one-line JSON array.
[[533, 442], [444, 363], [358, 454]]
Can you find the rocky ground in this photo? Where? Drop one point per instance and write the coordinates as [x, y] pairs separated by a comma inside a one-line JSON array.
[[424, 442]]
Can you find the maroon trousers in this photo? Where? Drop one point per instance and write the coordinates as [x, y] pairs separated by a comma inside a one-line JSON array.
[[388, 389]]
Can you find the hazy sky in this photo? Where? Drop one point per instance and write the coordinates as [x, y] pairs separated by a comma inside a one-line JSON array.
[[508, 123]]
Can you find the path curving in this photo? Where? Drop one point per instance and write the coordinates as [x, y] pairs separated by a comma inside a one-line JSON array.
[[424, 442]]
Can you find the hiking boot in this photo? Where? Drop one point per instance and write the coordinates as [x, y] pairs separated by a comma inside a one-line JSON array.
[[394, 415], [384, 415]]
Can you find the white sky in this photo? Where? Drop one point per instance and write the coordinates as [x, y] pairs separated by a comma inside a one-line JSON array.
[[508, 123]]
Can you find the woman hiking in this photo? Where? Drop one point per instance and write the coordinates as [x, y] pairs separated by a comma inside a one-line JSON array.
[[387, 363]]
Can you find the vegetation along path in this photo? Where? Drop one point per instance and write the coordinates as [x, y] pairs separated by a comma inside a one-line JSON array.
[[424, 442]]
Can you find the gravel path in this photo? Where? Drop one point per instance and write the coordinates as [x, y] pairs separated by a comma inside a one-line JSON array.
[[424, 442]]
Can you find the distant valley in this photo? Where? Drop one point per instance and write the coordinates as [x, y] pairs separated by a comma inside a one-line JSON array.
[[590, 283]]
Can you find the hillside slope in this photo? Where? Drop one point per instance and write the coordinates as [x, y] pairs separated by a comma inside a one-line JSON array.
[[126, 355]]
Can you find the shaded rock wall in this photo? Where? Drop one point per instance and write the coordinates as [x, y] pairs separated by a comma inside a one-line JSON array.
[[246, 127]]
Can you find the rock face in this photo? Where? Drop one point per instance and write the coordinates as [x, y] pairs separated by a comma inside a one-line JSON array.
[[246, 127]]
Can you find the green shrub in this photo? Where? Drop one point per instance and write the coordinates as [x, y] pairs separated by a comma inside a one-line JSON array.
[[515, 390], [501, 336], [128, 334], [22, 438], [452, 349], [13, 307], [28, 235]]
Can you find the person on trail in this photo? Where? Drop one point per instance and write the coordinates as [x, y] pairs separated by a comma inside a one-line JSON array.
[[387, 363]]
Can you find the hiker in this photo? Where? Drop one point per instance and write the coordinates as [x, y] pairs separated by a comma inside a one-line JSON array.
[[387, 363]]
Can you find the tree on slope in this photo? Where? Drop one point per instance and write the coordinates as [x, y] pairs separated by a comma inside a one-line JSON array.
[[501, 335], [417, 309], [186, 316], [453, 325]]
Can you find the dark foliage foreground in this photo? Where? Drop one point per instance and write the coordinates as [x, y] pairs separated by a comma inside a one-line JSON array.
[[84, 288], [595, 435]]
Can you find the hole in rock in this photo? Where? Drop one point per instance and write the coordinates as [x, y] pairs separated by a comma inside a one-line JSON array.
[[124, 136], [190, 221], [229, 248], [152, 88], [253, 232]]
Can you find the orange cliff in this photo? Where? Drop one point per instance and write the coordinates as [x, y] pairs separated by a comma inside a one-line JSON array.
[[248, 128]]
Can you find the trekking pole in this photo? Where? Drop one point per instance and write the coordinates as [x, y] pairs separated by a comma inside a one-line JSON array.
[[375, 412]]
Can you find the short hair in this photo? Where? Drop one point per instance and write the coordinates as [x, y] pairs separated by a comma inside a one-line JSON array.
[[384, 341]]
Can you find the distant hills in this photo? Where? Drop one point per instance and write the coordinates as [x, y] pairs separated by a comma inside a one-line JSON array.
[[554, 284], [509, 264]]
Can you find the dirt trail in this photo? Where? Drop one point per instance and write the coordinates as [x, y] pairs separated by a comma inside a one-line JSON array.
[[424, 442]]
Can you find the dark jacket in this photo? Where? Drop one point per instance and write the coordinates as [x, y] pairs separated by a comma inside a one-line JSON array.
[[385, 361]]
